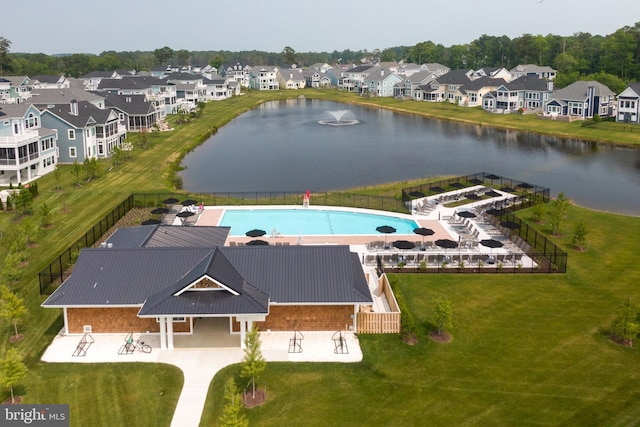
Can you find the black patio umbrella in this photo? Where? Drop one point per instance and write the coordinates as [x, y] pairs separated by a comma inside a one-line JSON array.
[[188, 202], [150, 222], [507, 189], [416, 194], [170, 201], [492, 193], [492, 176], [423, 231], [385, 229], [255, 233], [466, 214], [510, 225], [491, 243], [436, 189], [403, 244], [494, 212], [457, 185], [525, 185], [472, 196], [160, 211], [258, 242], [185, 214], [475, 181], [446, 243]]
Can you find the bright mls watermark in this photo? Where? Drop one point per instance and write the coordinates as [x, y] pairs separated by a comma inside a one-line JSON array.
[[36, 415]]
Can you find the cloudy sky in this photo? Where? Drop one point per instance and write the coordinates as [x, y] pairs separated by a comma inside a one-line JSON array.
[[90, 26]]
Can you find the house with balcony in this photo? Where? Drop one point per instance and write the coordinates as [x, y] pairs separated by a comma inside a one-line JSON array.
[[14, 89], [381, 82], [527, 92], [27, 150], [291, 78], [190, 89], [160, 92], [217, 88], [239, 73], [49, 82], [541, 72], [84, 131], [352, 80], [135, 112], [581, 100], [410, 86], [473, 92], [48, 98], [628, 104], [264, 78]]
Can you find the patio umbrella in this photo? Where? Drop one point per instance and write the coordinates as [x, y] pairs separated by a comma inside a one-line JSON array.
[[150, 222], [255, 233], [492, 193], [475, 181], [403, 244], [466, 214], [491, 243], [170, 201], [385, 229], [258, 242], [446, 243], [456, 185], [436, 189], [188, 202], [472, 196], [525, 185], [510, 225], [160, 211], [494, 212], [423, 231], [492, 177], [185, 214], [416, 194], [507, 189]]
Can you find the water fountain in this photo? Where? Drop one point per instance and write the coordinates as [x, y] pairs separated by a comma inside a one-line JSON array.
[[338, 119]]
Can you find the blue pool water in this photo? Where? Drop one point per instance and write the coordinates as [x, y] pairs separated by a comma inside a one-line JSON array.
[[311, 222]]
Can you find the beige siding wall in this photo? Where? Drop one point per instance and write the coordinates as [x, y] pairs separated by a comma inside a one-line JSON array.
[[115, 320], [306, 318]]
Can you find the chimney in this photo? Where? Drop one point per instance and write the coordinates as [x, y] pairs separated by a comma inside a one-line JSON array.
[[549, 84], [73, 107]]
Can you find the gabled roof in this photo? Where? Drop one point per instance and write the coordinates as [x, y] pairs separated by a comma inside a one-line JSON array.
[[155, 236], [99, 74], [531, 83], [634, 87], [17, 80], [132, 82], [44, 97], [459, 76], [88, 114], [155, 276], [482, 82], [47, 78], [131, 104], [577, 91], [15, 110]]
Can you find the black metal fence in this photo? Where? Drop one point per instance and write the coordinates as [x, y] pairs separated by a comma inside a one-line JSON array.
[[58, 270]]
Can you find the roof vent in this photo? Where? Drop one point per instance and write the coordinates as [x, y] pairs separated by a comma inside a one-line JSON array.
[[109, 245]]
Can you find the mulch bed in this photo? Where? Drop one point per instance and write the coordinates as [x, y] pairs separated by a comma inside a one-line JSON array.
[[251, 401], [16, 338], [443, 337], [16, 400]]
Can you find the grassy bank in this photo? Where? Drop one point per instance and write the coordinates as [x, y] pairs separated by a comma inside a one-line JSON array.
[[76, 207]]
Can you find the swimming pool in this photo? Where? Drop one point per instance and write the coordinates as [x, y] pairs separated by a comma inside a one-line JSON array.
[[311, 222]]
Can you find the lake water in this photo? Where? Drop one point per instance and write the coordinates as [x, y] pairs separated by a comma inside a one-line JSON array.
[[281, 146]]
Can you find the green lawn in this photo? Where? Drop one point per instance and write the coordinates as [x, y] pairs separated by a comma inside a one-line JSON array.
[[526, 350], [596, 281]]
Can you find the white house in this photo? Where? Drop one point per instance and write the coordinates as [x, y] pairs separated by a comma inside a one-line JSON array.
[[628, 104]]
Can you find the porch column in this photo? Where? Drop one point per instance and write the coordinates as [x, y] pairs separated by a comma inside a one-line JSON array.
[[170, 333], [163, 333], [243, 332]]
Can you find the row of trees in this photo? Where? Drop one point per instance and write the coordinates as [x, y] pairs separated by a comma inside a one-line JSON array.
[[580, 54]]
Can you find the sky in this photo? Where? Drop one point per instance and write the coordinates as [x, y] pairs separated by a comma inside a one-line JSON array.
[[91, 26]]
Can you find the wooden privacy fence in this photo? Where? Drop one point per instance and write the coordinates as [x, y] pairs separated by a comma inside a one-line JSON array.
[[381, 322]]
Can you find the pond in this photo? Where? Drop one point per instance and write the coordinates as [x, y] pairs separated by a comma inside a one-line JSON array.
[[295, 145]]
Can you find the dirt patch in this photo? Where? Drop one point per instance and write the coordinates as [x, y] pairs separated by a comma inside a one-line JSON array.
[[621, 341], [16, 400], [16, 338], [251, 401], [410, 339], [443, 337]]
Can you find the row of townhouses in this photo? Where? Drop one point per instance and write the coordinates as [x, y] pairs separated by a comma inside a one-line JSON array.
[[45, 120]]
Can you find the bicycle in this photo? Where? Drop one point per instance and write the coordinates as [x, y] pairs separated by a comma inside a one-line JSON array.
[[130, 346]]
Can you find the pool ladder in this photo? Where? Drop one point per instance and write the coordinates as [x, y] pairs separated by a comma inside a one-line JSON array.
[[329, 221]]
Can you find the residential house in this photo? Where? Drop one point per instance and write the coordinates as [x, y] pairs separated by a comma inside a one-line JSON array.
[[352, 80], [528, 93], [381, 82], [190, 89], [496, 73], [210, 72], [92, 80], [14, 89], [316, 79], [264, 78], [27, 150], [542, 72], [446, 87], [472, 92], [277, 288], [161, 92], [240, 74], [49, 82], [628, 104], [435, 68], [410, 87], [582, 99], [48, 98], [84, 131], [217, 88], [291, 78], [135, 112]]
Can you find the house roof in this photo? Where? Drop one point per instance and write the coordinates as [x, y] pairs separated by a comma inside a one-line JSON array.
[[532, 83], [87, 114], [635, 87], [155, 277], [577, 91], [155, 236], [459, 76], [47, 78], [482, 82], [43, 97], [14, 110], [132, 82], [136, 105]]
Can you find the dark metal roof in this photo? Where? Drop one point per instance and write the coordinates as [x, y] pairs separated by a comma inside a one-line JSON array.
[[153, 277], [156, 236]]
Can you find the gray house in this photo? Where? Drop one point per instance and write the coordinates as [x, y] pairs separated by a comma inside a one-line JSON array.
[[582, 99]]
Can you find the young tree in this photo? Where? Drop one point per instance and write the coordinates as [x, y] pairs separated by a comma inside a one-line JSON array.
[[539, 211], [24, 201], [11, 269], [91, 167], [253, 363], [625, 325], [558, 212], [76, 169], [12, 370], [56, 176], [116, 156], [12, 307], [443, 311], [45, 215], [580, 235], [29, 229], [231, 416]]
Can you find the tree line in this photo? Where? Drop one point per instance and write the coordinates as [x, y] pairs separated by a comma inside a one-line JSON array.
[[615, 56]]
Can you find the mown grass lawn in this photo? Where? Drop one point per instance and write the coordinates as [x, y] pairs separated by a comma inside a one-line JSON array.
[[526, 350], [420, 379]]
